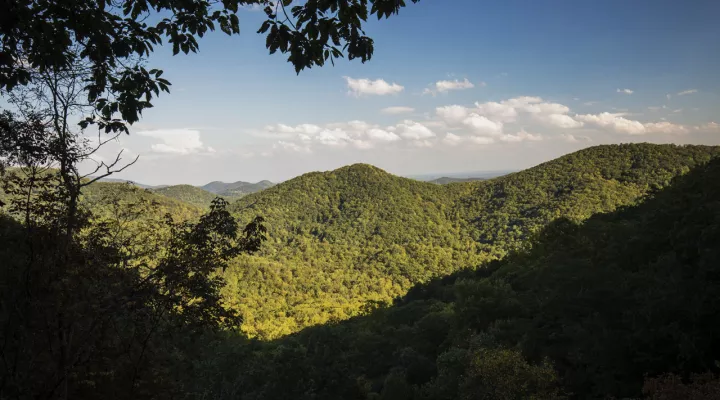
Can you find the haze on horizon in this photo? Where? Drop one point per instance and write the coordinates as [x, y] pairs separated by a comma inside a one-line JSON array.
[[498, 86]]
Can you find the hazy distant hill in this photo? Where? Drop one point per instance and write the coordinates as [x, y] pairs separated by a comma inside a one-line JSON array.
[[140, 185], [238, 188], [445, 180], [188, 194]]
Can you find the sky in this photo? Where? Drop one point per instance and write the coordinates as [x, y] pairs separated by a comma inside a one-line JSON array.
[[453, 86]]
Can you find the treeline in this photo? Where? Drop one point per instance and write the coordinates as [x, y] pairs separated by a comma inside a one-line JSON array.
[[621, 305]]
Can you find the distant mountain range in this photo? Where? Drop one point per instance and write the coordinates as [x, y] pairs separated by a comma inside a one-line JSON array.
[[201, 196], [446, 179], [236, 188]]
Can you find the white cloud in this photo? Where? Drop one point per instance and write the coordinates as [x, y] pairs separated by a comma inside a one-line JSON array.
[[521, 137], [665, 127], [625, 91], [413, 130], [574, 139], [382, 135], [483, 125], [333, 137], [497, 111], [452, 139], [397, 110], [620, 124], [686, 92], [452, 114], [711, 127], [379, 87], [615, 122], [446, 86], [562, 121], [290, 146], [175, 141]]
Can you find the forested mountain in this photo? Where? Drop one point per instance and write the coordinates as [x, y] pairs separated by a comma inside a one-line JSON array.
[[190, 194], [586, 309], [575, 278], [239, 188], [343, 241]]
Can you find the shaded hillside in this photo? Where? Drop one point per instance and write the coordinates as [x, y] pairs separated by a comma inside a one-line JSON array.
[[603, 302], [343, 240], [236, 189], [188, 194], [445, 180]]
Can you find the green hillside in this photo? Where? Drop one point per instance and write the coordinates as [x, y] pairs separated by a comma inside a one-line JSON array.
[[587, 310], [346, 240], [101, 197], [188, 194]]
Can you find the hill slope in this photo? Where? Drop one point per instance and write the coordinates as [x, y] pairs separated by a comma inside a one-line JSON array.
[[604, 302], [343, 240], [188, 194]]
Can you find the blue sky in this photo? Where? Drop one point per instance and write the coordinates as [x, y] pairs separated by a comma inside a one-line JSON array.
[[474, 85]]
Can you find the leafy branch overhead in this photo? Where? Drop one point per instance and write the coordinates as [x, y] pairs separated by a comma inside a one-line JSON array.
[[113, 37]]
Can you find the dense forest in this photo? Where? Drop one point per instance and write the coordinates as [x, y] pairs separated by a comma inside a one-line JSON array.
[[587, 276], [594, 275], [343, 241], [587, 309]]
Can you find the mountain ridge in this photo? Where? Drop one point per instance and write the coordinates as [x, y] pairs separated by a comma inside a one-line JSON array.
[[358, 234]]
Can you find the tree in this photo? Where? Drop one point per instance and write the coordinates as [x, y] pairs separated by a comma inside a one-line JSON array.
[[113, 37]]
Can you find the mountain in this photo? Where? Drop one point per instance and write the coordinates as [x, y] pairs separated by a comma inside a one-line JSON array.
[[344, 240], [600, 308], [239, 188], [445, 180], [140, 185], [188, 194]]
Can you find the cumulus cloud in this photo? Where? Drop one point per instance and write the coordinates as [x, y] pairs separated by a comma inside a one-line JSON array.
[[397, 110], [413, 130], [453, 113], [507, 111], [378, 87], [382, 135], [521, 137], [618, 123], [665, 127], [625, 91], [686, 92], [573, 138], [483, 125], [175, 141], [562, 121], [290, 146], [504, 111], [452, 139], [615, 122], [446, 86]]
